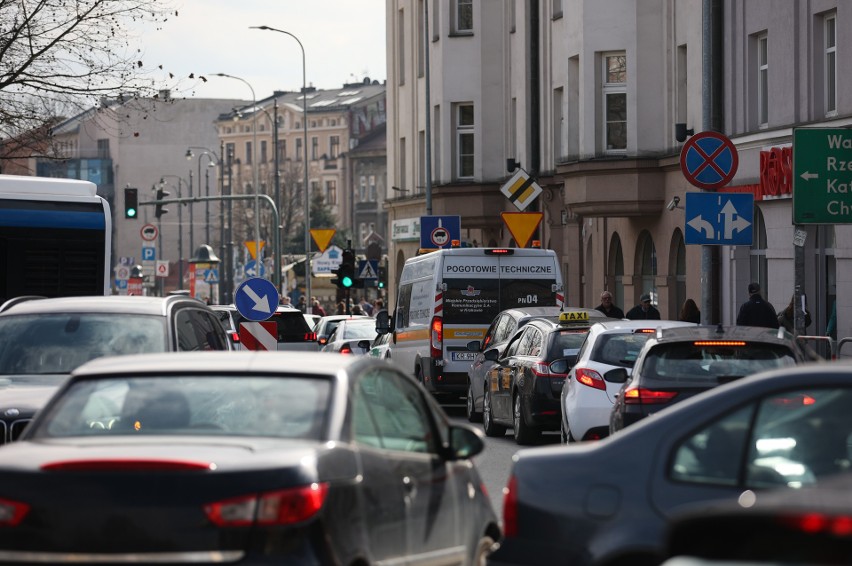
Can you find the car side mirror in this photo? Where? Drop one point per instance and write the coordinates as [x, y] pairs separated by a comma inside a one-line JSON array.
[[383, 324], [473, 346], [491, 355], [563, 365], [465, 442], [617, 375], [365, 344]]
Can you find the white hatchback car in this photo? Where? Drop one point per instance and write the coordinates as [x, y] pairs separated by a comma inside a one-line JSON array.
[[587, 396]]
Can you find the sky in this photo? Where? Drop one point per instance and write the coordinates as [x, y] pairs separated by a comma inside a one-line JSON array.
[[344, 41]]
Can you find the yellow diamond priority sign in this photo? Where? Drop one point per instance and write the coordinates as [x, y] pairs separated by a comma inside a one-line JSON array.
[[521, 189]]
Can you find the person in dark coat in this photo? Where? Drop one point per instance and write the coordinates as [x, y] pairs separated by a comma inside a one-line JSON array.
[[690, 312], [644, 310], [786, 317], [756, 311], [608, 307]]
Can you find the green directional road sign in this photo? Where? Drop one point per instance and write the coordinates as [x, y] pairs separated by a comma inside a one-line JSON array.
[[822, 176]]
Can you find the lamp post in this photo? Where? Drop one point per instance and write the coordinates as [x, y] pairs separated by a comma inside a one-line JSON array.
[[305, 180], [258, 255], [180, 226], [212, 161]]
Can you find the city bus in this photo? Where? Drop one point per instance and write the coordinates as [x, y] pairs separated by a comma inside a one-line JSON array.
[[55, 238]]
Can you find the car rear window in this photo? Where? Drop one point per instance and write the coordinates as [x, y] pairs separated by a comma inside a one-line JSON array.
[[691, 362], [619, 349], [566, 343], [292, 326]]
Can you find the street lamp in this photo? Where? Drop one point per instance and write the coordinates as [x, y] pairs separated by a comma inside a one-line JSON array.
[[258, 257], [305, 181], [212, 161]]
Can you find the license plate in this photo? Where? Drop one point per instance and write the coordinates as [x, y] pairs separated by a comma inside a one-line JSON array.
[[463, 356]]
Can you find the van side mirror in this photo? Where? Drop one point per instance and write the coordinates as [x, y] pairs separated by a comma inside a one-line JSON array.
[[383, 323]]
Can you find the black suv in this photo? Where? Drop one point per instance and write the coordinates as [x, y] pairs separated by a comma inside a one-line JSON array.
[[678, 363], [42, 340]]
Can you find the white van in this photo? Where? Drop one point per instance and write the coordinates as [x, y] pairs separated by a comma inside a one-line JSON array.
[[448, 297]]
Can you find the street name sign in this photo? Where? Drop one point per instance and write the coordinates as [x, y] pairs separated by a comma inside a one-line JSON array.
[[724, 219], [822, 176]]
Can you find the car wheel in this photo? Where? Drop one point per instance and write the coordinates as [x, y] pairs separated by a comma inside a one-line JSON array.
[[491, 428], [472, 415], [524, 434], [483, 549]]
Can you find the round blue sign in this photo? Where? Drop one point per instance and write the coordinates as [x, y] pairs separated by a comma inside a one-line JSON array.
[[709, 160], [256, 299]]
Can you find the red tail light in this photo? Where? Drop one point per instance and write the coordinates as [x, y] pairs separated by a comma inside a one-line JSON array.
[[284, 507], [12, 512], [311, 337], [542, 369], [322, 341], [345, 349], [818, 523], [436, 342], [590, 378], [640, 396], [235, 336], [510, 508]]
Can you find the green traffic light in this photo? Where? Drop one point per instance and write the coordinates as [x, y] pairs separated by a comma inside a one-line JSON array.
[[131, 213], [346, 281]]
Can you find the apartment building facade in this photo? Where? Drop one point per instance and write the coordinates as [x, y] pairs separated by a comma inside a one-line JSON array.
[[585, 96]]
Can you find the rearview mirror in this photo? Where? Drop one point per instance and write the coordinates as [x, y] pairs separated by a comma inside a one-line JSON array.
[[365, 344], [563, 365], [491, 355], [473, 346]]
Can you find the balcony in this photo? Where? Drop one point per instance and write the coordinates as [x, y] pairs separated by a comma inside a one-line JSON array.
[[615, 187]]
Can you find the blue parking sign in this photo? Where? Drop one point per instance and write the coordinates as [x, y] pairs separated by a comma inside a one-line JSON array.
[[149, 253]]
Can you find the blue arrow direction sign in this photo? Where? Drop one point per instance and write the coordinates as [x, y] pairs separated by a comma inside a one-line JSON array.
[[251, 269], [256, 299], [724, 219]]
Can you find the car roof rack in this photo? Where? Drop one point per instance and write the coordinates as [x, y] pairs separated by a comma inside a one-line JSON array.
[[15, 300]]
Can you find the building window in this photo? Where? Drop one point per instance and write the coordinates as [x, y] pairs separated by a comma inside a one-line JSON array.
[[298, 149], [229, 152], [421, 160], [463, 17], [282, 150], [334, 147], [400, 47], [421, 39], [314, 148], [615, 102], [464, 141], [830, 83], [263, 151], [762, 80], [331, 192], [436, 20], [103, 149], [372, 185], [403, 165], [362, 189], [557, 9], [248, 153], [758, 264]]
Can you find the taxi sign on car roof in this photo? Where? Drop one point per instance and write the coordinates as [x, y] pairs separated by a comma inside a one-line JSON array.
[[573, 317]]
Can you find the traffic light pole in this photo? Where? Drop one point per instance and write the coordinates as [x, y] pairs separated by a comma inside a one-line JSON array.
[[276, 254]]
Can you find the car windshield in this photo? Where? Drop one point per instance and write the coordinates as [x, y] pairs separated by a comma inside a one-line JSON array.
[[360, 330], [685, 361], [620, 349], [58, 343], [292, 407]]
